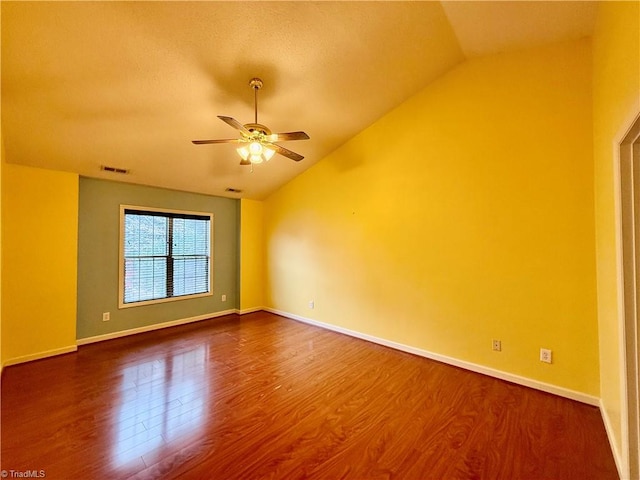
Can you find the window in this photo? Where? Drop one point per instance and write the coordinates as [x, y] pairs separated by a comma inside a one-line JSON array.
[[164, 255]]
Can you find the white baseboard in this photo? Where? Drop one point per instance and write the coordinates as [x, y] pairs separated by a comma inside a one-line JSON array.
[[250, 310], [155, 326], [545, 387], [39, 355], [621, 464], [509, 377], [122, 333]]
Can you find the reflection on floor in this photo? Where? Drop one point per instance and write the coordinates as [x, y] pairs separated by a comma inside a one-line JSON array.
[[161, 400]]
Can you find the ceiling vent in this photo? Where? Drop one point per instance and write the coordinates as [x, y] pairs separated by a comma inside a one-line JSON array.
[[107, 168]]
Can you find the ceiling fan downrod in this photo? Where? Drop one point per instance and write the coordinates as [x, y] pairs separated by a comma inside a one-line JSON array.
[[256, 84]]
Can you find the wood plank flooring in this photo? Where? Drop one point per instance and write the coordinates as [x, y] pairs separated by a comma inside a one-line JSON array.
[[260, 396]]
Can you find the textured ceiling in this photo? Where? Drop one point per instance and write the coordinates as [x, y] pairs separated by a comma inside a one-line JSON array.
[[130, 84], [492, 27]]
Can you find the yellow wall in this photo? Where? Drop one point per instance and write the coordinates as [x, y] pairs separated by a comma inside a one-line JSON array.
[[251, 255], [1, 168], [616, 100], [465, 214], [39, 262]]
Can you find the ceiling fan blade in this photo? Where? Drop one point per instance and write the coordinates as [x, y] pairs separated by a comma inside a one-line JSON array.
[[245, 162], [286, 152], [283, 137], [224, 140], [234, 123]]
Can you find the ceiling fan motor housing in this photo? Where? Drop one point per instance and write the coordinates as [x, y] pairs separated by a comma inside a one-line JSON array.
[[256, 127]]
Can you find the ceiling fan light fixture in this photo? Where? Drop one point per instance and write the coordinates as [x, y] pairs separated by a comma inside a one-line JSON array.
[[255, 152], [267, 153], [243, 151], [255, 148]]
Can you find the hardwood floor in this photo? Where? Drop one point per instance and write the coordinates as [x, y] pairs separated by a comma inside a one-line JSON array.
[[260, 396]]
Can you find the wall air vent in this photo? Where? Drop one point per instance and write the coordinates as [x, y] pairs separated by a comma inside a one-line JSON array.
[[233, 190], [106, 168]]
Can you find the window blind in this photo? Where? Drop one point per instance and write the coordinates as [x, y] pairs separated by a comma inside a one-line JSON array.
[[166, 254]]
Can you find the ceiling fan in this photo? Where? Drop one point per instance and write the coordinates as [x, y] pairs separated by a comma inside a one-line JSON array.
[[256, 141]]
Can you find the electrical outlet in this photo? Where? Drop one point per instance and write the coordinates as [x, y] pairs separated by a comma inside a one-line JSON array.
[[497, 345], [311, 304], [545, 355], [224, 298], [106, 316]]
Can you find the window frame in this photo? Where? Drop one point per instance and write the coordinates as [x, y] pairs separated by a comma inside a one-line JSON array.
[[121, 258]]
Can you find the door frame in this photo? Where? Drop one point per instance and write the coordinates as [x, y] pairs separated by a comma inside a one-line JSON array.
[[628, 150]]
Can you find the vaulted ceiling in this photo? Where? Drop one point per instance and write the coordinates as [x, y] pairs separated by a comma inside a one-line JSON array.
[[130, 84]]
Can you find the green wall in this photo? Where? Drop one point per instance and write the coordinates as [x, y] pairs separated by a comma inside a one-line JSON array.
[[98, 241]]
